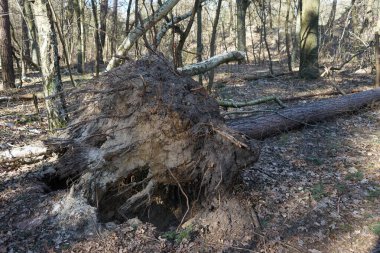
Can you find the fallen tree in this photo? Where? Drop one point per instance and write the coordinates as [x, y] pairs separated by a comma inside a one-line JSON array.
[[145, 141], [211, 63], [150, 138], [19, 153], [292, 118]]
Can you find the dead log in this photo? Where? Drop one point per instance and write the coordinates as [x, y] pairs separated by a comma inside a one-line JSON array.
[[211, 63], [149, 138], [19, 153], [292, 118]]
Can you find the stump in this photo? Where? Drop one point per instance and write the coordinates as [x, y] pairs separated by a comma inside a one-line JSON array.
[[144, 136]]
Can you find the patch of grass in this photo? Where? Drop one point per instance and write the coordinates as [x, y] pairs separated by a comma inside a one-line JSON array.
[[375, 228], [356, 176], [178, 237], [318, 191], [315, 160]]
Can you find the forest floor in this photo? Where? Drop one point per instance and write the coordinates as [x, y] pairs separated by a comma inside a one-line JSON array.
[[314, 190]]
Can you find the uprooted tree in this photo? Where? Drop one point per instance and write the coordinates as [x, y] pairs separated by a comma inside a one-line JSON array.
[[145, 136]]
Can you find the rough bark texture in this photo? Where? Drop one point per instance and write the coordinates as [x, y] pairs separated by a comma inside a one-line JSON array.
[[288, 119], [98, 46], [242, 6], [149, 130], [78, 16], [33, 36], [50, 65], [8, 73], [309, 39], [138, 31], [103, 27], [211, 63]]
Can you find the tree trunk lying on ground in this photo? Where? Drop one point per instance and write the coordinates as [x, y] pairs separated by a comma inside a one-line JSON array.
[[18, 153], [211, 63], [146, 141], [291, 118]]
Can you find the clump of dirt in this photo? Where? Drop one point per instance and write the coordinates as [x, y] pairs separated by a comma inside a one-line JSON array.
[[143, 138]]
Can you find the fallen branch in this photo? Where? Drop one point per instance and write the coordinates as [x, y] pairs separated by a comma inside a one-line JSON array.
[[235, 104], [211, 63], [18, 153], [292, 118], [29, 96]]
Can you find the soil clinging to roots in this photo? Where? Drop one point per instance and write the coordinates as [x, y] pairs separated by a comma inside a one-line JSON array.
[[144, 136]]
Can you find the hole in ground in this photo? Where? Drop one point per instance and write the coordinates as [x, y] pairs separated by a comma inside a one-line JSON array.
[[57, 182], [165, 212]]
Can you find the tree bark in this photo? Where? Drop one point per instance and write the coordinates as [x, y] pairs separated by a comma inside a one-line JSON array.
[[138, 31], [242, 6], [211, 63], [33, 35], [103, 27], [213, 41], [292, 118], [127, 25], [77, 9], [53, 89], [98, 46], [309, 39], [199, 38], [114, 27], [8, 73]]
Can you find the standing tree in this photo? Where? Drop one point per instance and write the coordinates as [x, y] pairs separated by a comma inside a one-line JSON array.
[[199, 38], [6, 47], [78, 8], [103, 27], [114, 27], [32, 30], [49, 58], [213, 41], [309, 39], [98, 48], [242, 6]]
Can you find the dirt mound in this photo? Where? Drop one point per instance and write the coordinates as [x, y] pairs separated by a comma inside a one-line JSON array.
[[145, 140]]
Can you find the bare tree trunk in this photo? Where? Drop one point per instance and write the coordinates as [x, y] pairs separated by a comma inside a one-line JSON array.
[[242, 6], [33, 36], [213, 41], [102, 27], [309, 39], [82, 6], [127, 25], [80, 53], [114, 27], [98, 47], [211, 63], [138, 31], [199, 38], [183, 36], [377, 55], [53, 89], [287, 36], [291, 118], [6, 47], [25, 52]]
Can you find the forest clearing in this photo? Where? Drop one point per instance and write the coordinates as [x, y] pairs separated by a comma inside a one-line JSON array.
[[152, 143]]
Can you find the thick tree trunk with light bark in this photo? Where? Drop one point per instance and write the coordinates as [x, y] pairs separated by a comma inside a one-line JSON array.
[[49, 58], [309, 37], [7, 69]]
